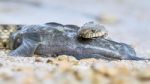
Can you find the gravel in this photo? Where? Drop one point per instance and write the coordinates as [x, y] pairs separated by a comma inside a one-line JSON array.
[[66, 69]]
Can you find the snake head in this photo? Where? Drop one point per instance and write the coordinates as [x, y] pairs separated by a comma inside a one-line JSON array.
[[92, 30]]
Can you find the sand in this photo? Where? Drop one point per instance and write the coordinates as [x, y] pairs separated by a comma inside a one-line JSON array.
[[66, 69], [126, 20]]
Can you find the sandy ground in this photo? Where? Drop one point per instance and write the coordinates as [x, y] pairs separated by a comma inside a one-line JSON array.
[[126, 20], [66, 69]]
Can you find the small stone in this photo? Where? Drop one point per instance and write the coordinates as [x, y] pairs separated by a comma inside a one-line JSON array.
[[62, 58], [77, 75], [72, 60], [38, 59], [49, 61], [144, 75]]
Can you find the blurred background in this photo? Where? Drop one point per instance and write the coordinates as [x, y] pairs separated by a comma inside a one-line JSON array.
[[127, 21]]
